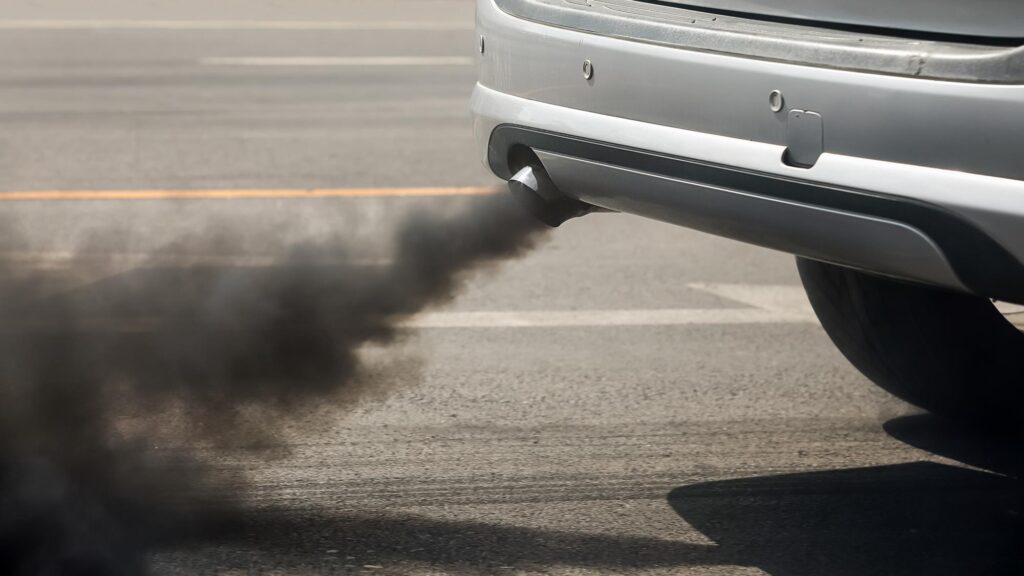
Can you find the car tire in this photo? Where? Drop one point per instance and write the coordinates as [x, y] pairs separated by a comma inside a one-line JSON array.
[[950, 353]]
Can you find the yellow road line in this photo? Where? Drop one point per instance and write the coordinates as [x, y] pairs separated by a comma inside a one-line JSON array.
[[42, 195]]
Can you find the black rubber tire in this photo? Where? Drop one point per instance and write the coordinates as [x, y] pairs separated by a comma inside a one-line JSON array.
[[950, 353]]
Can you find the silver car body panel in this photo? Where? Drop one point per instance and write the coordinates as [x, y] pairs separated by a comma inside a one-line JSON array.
[[953, 145], [852, 50], [976, 128]]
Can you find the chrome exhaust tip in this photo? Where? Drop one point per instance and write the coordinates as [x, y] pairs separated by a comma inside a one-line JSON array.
[[533, 189]]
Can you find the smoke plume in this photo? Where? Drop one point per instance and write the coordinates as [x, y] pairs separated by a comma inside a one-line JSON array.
[[95, 378]]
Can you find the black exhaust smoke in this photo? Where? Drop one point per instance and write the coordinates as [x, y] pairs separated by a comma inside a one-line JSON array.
[[93, 382]]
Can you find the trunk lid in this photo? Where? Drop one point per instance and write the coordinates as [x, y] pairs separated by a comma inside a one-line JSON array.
[[1000, 20]]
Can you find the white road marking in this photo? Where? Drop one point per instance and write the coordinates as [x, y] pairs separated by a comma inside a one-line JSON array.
[[760, 304], [1013, 312], [536, 319], [1008, 308], [370, 25], [343, 61], [595, 318], [781, 298], [125, 261], [767, 305]]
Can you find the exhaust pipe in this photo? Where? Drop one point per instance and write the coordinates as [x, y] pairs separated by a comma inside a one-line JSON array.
[[533, 189]]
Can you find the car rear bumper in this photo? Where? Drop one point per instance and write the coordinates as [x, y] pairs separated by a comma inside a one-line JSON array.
[[688, 137]]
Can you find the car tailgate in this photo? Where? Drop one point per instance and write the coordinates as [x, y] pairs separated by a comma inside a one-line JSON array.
[[996, 19]]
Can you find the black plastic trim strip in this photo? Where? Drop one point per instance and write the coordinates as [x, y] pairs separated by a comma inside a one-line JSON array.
[[981, 263]]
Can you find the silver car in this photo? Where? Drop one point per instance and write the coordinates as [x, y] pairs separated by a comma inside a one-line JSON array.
[[880, 142]]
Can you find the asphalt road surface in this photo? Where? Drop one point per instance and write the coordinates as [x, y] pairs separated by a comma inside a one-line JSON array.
[[629, 398]]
